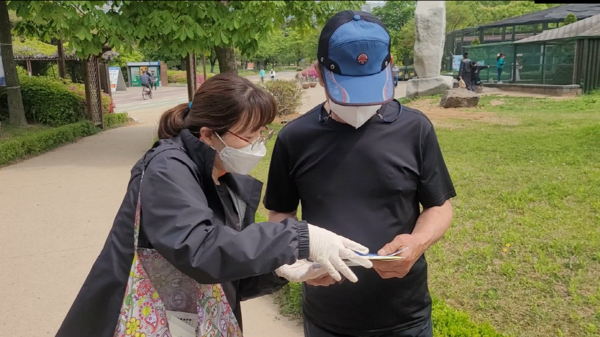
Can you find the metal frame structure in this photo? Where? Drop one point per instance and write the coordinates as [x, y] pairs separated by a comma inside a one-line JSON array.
[[514, 29]]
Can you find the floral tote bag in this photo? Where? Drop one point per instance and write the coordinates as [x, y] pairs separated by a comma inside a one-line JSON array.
[[156, 291]]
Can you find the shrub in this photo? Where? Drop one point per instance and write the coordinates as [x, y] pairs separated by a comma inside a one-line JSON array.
[[20, 147], [50, 102], [176, 76], [180, 77], [287, 95], [116, 119]]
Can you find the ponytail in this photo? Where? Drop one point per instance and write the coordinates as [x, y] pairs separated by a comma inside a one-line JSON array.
[[172, 121], [220, 103]]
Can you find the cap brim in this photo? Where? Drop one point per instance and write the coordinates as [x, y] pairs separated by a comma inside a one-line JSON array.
[[360, 90]]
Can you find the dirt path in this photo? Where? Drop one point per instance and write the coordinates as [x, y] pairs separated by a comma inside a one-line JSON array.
[[56, 210]]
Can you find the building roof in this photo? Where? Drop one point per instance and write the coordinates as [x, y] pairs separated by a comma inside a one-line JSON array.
[[554, 14], [589, 27]]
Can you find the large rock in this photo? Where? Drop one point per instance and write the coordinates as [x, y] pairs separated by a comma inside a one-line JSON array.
[[428, 86], [430, 33], [459, 98]]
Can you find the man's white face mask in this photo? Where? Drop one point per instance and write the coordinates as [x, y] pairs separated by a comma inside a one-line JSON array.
[[354, 115]]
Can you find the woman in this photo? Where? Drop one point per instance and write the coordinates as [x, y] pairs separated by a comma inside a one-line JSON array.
[[186, 223], [500, 65]]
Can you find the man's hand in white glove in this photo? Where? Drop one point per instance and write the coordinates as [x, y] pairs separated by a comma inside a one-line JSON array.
[[300, 271], [329, 249]]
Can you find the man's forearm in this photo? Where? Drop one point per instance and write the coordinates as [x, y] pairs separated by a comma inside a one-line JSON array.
[[279, 217], [433, 224]]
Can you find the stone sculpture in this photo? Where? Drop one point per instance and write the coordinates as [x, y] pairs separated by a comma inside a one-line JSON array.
[[430, 33]]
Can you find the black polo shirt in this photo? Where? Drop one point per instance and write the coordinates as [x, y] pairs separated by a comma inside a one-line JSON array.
[[365, 184]]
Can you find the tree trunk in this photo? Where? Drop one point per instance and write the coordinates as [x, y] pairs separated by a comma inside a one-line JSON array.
[[204, 67], [191, 76], [226, 57], [62, 73], [213, 61], [16, 111]]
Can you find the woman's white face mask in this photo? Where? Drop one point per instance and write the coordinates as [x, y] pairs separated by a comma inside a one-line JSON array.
[[356, 116], [241, 161]]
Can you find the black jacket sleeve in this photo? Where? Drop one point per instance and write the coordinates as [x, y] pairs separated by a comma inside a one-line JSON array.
[[177, 222], [461, 69], [257, 286]]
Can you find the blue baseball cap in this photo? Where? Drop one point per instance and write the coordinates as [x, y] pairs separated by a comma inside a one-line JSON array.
[[354, 55]]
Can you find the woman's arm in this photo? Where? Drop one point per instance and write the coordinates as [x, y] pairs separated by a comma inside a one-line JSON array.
[[178, 223], [261, 285]]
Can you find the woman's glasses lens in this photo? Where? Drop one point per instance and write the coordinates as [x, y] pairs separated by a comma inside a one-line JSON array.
[[264, 138]]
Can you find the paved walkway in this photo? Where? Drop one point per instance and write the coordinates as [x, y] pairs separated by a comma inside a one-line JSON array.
[[56, 210]]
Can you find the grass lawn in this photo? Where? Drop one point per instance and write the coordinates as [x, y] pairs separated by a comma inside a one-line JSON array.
[[524, 249], [8, 131]]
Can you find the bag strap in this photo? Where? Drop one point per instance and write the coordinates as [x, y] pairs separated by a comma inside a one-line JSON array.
[[138, 206]]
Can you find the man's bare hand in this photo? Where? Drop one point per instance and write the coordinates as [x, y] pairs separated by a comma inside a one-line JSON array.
[[323, 281], [399, 268]]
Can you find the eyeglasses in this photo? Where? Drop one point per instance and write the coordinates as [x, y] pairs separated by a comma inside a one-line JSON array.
[[262, 139]]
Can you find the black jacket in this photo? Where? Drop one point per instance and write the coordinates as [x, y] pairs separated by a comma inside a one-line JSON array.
[[465, 71], [145, 79], [476, 70], [183, 219]]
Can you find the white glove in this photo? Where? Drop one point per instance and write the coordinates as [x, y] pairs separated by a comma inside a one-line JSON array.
[[300, 271], [328, 249]]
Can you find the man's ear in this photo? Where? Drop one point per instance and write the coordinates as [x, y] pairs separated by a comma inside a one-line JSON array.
[[319, 74]]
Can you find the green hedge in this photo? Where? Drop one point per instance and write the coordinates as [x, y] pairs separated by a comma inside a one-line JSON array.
[[33, 143], [115, 120], [51, 101], [23, 146], [447, 322]]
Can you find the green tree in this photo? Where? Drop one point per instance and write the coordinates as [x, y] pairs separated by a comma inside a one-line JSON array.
[[16, 111], [304, 43], [196, 26], [570, 18], [403, 41], [86, 25], [395, 14]]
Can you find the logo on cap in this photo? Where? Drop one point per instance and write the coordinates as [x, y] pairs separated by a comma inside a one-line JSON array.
[[362, 59]]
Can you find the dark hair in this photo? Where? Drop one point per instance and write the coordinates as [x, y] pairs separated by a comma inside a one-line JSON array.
[[221, 102], [465, 54], [499, 56]]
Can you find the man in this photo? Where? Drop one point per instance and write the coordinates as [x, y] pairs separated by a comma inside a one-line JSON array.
[[147, 82], [360, 164], [262, 75], [272, 74], [395, 72], [153, 81], [465, 70]]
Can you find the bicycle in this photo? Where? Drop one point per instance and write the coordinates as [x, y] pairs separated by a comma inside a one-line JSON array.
[[146, 92]]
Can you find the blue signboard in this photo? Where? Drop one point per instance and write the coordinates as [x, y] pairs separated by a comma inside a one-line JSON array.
[[456, 62]]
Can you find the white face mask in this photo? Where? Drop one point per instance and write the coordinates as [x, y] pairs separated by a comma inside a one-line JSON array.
[[354, 115], [241, 161]]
